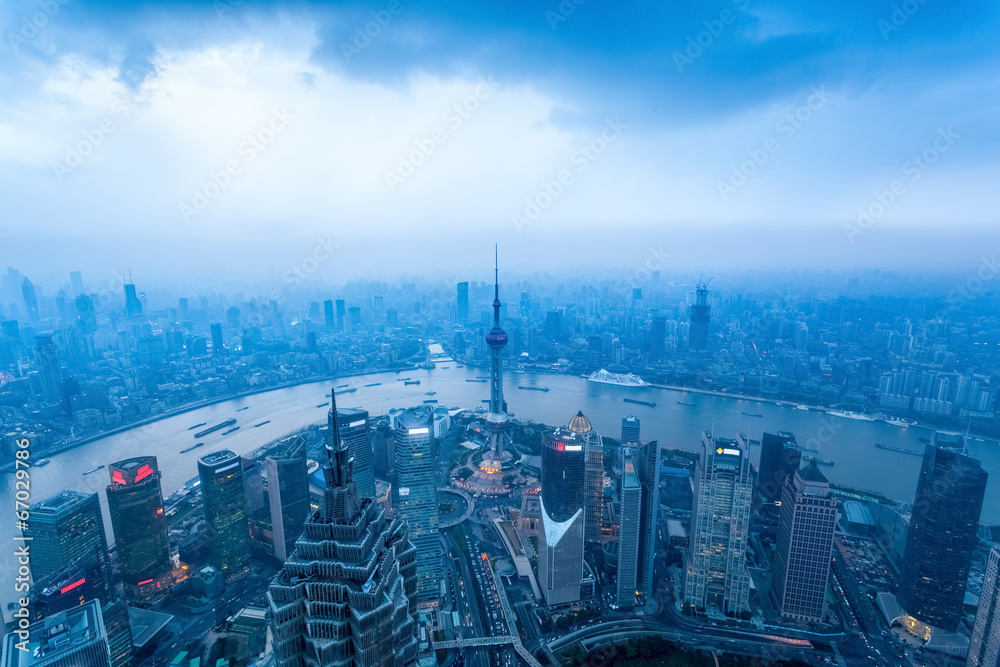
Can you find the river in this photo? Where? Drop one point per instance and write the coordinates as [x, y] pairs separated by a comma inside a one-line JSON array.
[[849, 443]]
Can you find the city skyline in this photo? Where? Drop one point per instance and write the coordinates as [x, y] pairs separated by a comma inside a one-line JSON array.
[[730, 393]]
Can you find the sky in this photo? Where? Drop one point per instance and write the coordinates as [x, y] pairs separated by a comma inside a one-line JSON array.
[[232, 137]]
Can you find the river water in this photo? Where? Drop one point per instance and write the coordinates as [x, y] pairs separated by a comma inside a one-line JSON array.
[[849, 443]]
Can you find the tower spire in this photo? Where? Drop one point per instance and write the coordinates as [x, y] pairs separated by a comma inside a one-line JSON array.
[[496, 286]]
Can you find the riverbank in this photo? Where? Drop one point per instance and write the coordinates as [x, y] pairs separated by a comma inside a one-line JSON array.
[[60, 447]]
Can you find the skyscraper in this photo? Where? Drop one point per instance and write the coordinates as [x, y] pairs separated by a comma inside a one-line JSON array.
[[73, 638], [135, 502], [49, 368], [346, 596], [76, 282], [804, 546], [593, 476], [341, 311], [218, 346], [226, 527], [630, 430], [658, 335], [415, 496], [700, 317], [940, 540], [780, 457], [629, 518], [715, 567], [354, 432], [86, 312], [30, 299], [647, 460], [562, 504], [133, 306], [328, 317], [463, 302], [984, 648], [383, 449], [64, 528], [78, 583], [497, 421], [288, 495]]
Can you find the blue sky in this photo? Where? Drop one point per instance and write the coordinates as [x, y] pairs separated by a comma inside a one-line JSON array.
[[860, 134]]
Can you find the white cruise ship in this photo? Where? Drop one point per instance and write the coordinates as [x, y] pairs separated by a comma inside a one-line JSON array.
[[624, 380]]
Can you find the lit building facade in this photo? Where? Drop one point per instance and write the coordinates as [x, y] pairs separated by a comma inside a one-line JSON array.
[[563, 509], [715, 567], [346, 595], [226, 526], [415, 496], [940, 540], [804, 546], [135, 502]]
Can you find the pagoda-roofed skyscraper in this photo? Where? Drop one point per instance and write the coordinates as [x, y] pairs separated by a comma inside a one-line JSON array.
[[497, 421], [347, 595]]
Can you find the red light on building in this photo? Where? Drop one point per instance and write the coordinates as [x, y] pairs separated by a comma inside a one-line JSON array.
[[143, 583], [116, 477], [75, 584], [560, 446], [144, 472]]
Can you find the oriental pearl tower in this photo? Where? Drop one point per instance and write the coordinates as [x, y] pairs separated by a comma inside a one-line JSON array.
[[497, 421]]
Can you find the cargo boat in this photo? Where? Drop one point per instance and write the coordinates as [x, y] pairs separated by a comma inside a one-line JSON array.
[[686, 403], [471, 380], [191, 428], [412, 382], [93, 470], [373, 384], [901, 450], [262, 423], [235, 428], [217, 427], [533, 388], [638, 402], [347, 391], [751, 414], [192, 447], [243, 408], [43, 462], [817, 461]]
